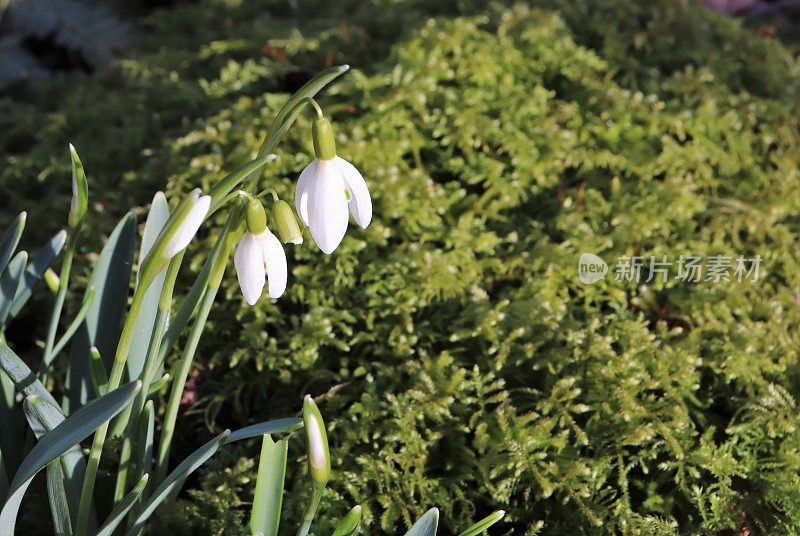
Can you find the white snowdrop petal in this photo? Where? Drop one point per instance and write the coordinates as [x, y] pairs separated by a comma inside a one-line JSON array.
[[360, 201], [274, 258], [189, 226], [301, 191], [249, 263], [316, 447], [327, 206]]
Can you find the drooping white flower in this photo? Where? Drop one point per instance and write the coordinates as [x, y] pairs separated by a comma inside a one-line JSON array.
[[328, 188], [260, 258], [179, 230], [195, 209]]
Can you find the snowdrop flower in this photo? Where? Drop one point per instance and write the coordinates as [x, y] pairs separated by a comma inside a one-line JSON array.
[[328, 187], [190, 216], [179, 230], [319, 458], [259, 257]]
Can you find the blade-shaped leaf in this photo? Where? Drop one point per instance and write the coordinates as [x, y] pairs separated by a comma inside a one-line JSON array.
[[110, 278], [57, 495], [427, 525], [157, 385], [13, 428], [268, 427], [24, 379], [17, 375], [310, 89], [3, 477], [40, 260], [350, 523], [230, 181], [43, 417], [142, 332], [144, 439], [72, 431], [176, 478], [122, 508], [266, 514], [10, 240], [10, 282], [484, 524]]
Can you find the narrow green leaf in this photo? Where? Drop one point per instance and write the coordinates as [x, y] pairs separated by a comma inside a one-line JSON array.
[[40, 260], [224, 186], [427, 525], [122, 508], [310, 90], [110, 278], [157, 385], [24, 379], [3, 478], [10, 240], [13, 429], [484, 524], [176, 478], [276, 426], [266, 513], [350, 524], [144, 439], [55, 443], [43, 417], [143, 331], [88, 298], [57, 496], [10, 282], [17, 376]]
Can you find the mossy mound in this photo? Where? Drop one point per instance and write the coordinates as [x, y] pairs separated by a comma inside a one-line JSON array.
[[466, 365]]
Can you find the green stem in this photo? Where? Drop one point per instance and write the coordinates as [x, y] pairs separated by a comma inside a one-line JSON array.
[[310, 511], [121, 356], [76, 322], [315, 105], [66, 267], [180, 374], [151, 365]]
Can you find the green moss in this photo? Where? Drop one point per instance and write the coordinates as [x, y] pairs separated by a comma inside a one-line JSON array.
[[466, 365]]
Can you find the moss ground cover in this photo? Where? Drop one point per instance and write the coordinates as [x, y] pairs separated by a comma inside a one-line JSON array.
[[460, 360]]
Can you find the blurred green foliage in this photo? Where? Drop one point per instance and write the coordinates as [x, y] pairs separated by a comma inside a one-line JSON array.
[[462, 363]]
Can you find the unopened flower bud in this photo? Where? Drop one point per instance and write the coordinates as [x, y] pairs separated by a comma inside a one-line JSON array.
[[286, 223], [319, 459], [52, 280], [80, 191]]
